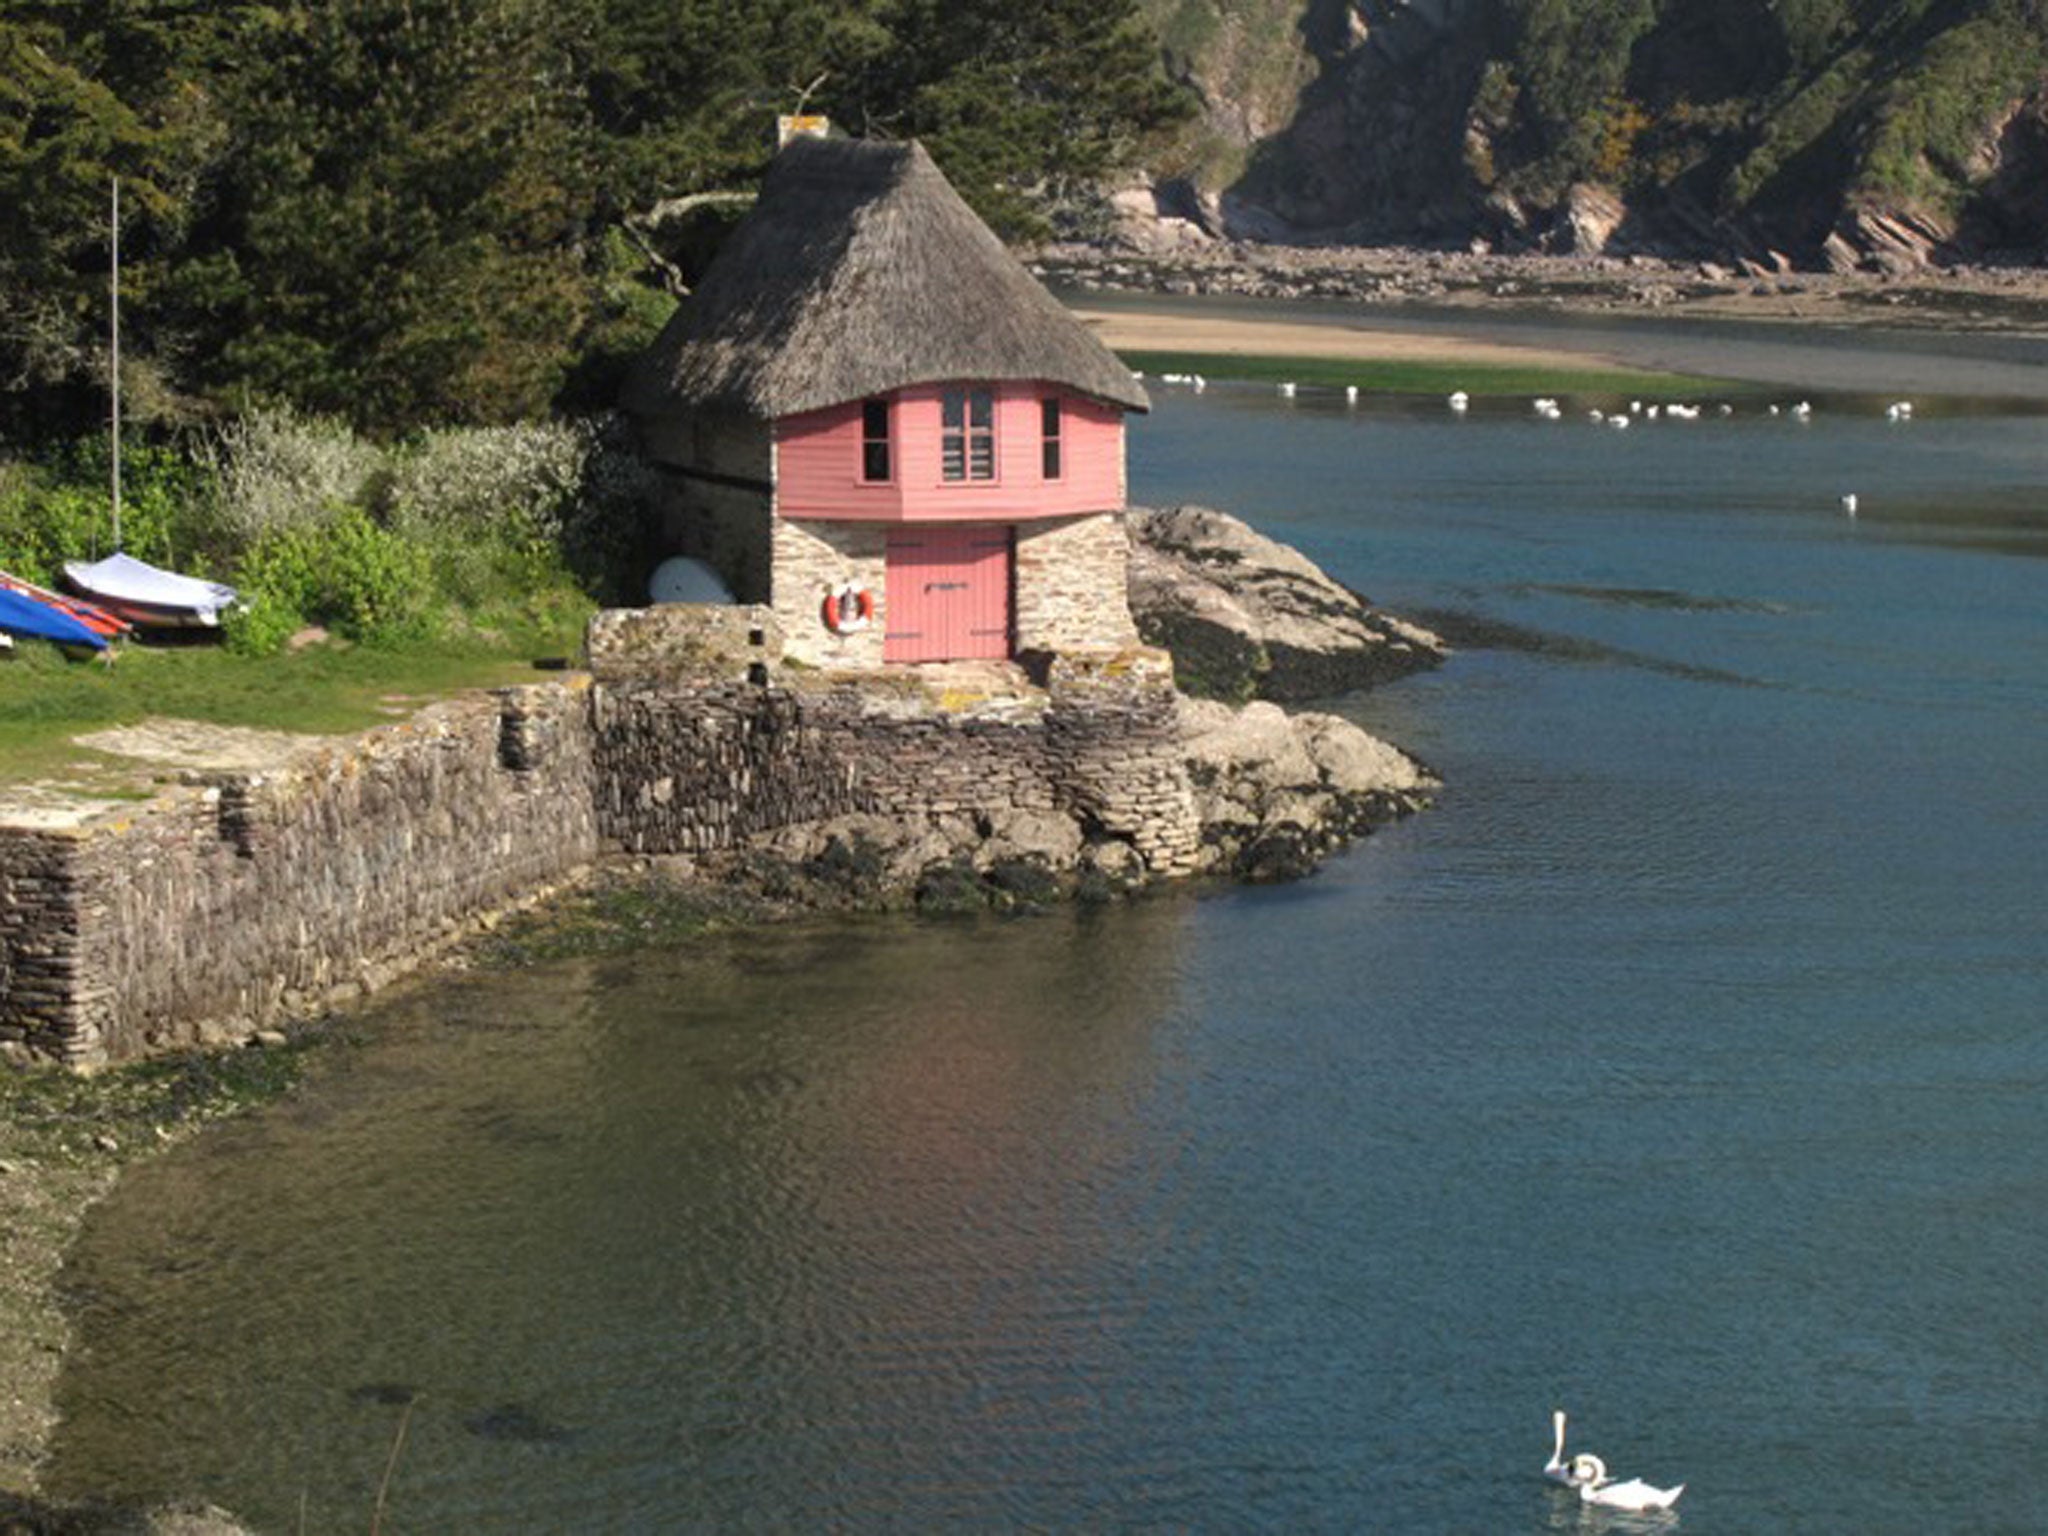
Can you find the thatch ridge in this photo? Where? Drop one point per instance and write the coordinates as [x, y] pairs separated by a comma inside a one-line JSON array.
[[860, 270]]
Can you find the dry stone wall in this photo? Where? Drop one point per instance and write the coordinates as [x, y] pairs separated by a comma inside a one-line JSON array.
[[236, 899], [683, 770]]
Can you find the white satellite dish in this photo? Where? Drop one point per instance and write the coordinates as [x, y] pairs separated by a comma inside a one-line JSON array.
[[679, 579]]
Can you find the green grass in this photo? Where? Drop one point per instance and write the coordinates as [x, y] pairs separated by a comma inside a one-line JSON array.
[[1423, 377], [47, 699]]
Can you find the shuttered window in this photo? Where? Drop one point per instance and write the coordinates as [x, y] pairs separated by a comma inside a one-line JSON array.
[[967, 434]]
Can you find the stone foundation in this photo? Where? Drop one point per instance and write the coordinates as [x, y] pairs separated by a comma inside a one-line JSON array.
[[235, 899]]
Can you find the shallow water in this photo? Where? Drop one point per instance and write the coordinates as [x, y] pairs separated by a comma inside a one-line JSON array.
[[1683, 1067]]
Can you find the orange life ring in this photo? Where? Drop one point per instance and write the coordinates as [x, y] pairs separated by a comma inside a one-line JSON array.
[[848, 609]]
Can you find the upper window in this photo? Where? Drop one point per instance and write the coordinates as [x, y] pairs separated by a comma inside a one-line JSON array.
[[874, 440], [1049, 437], [967, 434]]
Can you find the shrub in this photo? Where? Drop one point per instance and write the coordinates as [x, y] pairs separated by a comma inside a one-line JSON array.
[[261, 625], [277, 469], [364, 580]]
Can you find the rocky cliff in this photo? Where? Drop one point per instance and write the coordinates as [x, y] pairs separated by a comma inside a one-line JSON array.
[[1882, 134]]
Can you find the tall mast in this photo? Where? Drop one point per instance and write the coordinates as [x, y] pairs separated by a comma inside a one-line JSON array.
[[115, 370]]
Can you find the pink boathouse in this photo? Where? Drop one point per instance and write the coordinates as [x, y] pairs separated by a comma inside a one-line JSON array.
[[871, 418]]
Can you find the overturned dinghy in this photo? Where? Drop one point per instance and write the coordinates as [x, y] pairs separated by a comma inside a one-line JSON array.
[[23, 615], [109, 626], [149, 597]]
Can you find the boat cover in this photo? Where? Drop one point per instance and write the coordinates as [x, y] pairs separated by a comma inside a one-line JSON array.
[[123, 578], [21, 614]]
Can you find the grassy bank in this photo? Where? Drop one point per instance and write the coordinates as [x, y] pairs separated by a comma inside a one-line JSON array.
[[1429, 376], [47, 700]]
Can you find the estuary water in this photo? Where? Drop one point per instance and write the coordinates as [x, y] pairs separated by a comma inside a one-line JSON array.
[[1684, 1068]]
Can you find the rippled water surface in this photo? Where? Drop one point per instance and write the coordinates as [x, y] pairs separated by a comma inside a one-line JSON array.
[[1684, 1067]]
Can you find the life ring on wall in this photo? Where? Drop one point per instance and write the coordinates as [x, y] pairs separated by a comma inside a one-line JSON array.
[[849, 609]]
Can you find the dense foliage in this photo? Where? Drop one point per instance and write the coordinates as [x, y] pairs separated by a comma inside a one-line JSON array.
[[460, 534], [415, 213]]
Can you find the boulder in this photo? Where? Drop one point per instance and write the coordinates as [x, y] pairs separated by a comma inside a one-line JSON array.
[[1276, 793], [1245, 616]]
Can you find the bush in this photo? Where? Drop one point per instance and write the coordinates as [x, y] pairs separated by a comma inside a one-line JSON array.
[[262, 625], [365, 581], [278, 470]]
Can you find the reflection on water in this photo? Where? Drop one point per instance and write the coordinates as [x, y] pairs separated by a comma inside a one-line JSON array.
[[1683, 1068], [687, 1218]]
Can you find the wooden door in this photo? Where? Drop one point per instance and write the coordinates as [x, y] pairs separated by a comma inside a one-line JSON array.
[[948, 593]]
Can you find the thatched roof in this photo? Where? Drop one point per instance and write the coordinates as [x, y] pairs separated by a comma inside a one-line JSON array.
[[860, 271]]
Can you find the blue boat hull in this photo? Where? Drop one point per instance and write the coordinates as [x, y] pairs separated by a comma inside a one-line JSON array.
[[23, 615]]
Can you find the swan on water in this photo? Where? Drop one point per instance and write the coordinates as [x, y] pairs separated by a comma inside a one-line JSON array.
[[1459, 400], [1557, 1469], [1899, 410], [1287, 389], [1849, 504], [1588, 1473], [1351, 394]]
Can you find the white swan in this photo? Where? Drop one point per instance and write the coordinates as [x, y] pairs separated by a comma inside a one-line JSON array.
[[1351, 394], [1588, 1473], [1849, 504], [1459, 400], [1287, 389], [1556, 1468]]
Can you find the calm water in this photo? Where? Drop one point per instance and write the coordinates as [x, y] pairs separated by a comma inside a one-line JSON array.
[[1684, 1067]]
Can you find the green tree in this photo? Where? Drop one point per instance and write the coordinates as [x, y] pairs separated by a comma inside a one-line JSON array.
[[395, 236]]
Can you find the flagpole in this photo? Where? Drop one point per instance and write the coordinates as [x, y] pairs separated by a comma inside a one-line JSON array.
[[116, 368]]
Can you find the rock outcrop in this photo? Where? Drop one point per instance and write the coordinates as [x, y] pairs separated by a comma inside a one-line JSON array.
[[1277, 793], [1244, 616], [1271, 793]]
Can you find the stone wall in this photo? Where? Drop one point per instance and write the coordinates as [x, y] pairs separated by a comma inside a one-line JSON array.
[[1070, 586], [812, 557], [714, 496], [700, 770], [236, 899]]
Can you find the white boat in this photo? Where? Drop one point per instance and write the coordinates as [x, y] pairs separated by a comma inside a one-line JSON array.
[[147, 596]]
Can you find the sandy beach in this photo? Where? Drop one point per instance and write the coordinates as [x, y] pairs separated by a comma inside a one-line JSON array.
[[1136, 330]]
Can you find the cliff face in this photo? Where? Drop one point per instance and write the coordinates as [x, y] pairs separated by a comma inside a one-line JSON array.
[[1840, 132]]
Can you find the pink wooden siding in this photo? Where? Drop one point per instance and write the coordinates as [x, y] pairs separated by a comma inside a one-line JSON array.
[[818, 462], [948, 593]]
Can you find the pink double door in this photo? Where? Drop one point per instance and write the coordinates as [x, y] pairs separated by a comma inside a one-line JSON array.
[[948, 592]]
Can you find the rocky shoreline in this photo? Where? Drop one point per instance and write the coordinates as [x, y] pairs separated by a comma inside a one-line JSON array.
[[1949, 298]]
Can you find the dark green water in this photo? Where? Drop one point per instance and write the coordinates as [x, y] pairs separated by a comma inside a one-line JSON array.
[[1684, 1067]]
